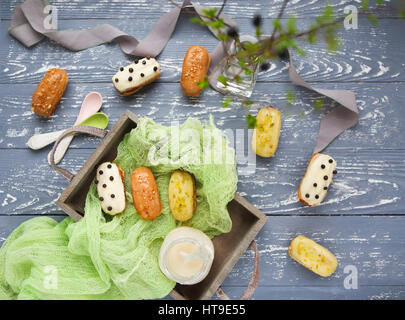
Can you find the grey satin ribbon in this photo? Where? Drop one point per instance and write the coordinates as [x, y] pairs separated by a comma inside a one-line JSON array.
[[27, 26]]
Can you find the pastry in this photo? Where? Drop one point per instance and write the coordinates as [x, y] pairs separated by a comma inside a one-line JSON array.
[[50, 90], [111, 188], [182, 195], [312, 256], [145, 194], [195, 67], [267, 132], [315, 183], [134, 77]]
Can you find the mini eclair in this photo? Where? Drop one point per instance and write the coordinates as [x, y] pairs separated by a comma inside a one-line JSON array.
[[315, 183], [195, 67], [135, 76], [111, 188]]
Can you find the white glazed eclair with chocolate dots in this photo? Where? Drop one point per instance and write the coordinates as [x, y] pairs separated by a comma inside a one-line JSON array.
[[110, 188], [315, 183], [132, 78]]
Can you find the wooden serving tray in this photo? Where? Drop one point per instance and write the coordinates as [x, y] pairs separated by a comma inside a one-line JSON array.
[[247, 220]]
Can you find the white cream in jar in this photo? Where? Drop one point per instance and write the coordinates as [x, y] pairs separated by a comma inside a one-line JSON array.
[[186, 255]]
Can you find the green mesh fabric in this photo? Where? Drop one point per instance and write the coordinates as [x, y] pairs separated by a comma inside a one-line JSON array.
[[103, 257]]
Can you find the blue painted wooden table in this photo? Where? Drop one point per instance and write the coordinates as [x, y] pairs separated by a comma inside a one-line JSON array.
[[362, 220]]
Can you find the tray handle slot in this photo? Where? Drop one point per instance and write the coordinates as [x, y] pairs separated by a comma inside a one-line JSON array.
[[75, 129]]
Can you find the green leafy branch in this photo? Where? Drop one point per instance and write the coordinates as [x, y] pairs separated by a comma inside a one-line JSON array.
[[250, 56]]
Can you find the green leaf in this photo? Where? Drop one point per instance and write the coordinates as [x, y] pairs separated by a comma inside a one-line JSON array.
[[251, 121], [312, 37], [290, 97], [223, 36], [364, 4], [292, 25], [222, 79], [248, 72], [318, 104], [373, 19], [210, 12], [277, 25], [379, 2], [238, 79], [301, 52], [198, 20], [226, 102], [204, 84], [217, 24], [258, 32]]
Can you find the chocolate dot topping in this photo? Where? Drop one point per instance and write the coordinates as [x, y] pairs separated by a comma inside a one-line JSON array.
[[325, 188], [334, 171], [323, 166], [325, 177], [130, 79], [109, 208], [109, 166], [101, 199], [144, 62], [113, 196], [316, 196], [96, 182], [154, 68], [307, 195], [136, 61], [111, 178], [104, 185], [116, 80], [122, 69], [330, 161], [100, 172], [142, 75], [131, 70], [315, 185]]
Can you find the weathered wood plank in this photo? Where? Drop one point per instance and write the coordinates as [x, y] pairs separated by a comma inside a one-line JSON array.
[[369, 181], [137, 8], [370, 244], [274, 292], [367, 54], [373, 245], [381, 118]]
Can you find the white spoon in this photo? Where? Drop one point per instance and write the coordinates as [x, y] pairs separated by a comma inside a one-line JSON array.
[[40, 141], [91, 104]]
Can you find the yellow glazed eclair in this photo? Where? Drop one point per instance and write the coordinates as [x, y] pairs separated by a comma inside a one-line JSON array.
[[312, 256], [182, 195], [267, 132]]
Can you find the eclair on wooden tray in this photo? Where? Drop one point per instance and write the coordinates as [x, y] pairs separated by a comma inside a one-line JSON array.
[[111, 188]]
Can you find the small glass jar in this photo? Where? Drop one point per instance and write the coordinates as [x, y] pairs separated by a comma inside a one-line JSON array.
[[186, 255], [231, 68]]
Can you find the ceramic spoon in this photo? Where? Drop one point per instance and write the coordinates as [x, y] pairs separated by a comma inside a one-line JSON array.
[[98, 120], [91, 104], [40, 141]]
